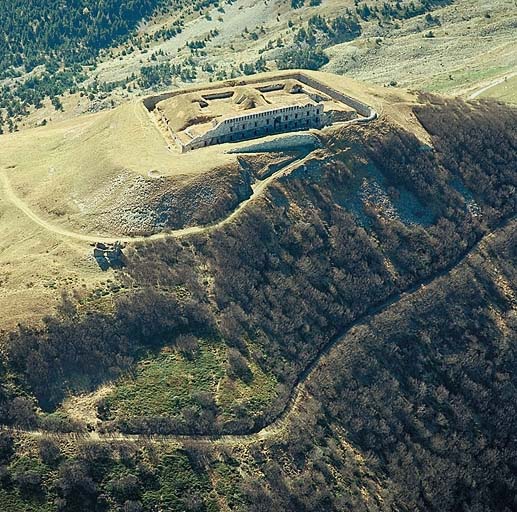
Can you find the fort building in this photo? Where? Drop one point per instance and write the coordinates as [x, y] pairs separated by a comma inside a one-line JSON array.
[[229, 114], [256, 124]]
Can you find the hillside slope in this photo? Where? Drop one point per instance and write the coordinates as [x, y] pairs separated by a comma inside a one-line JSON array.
[[214, 331], [447, 46]]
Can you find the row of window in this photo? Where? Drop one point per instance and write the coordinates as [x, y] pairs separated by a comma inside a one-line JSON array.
[[277, 122], [286, 118], [260, 131], [267, 114]]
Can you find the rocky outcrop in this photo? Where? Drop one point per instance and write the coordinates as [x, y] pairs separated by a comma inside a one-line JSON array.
[[109, 255]]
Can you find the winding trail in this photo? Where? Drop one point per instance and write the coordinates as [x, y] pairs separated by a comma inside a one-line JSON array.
[[258, 189], [299, 391], [489, 86]]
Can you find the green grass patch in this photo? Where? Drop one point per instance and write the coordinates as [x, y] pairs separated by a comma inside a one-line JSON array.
[[180, 486], [236, 397], [166, 383], [447, 82], [505, 91]]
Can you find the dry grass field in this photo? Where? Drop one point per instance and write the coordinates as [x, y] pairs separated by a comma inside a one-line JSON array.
[[35, 266], [71, 174], [78, 170], [473, 42], [77, 174]]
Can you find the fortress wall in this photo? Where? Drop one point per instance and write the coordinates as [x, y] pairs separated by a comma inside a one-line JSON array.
[[363, 109], [166, 125], [281, 142], [150, 102], [258, 124], [221, 132]]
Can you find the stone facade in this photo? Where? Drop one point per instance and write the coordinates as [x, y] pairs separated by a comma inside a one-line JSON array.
[[263, 120], [257, 124]]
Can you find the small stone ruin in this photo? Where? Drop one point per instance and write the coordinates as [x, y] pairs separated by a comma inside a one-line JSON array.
[[109, 255]]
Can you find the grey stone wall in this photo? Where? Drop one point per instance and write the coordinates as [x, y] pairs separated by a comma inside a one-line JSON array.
[[258, 124], [361, 107]]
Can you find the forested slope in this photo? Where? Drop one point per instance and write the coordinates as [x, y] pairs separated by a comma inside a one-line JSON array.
[[408, 411], [57, 39], [421, 398], [58, 33]]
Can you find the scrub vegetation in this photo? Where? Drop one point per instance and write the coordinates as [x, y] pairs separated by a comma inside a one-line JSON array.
[[213, 332]]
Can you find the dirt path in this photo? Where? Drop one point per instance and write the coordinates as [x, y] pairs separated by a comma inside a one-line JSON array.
[[489, 86], [258, 189], [299, 392]]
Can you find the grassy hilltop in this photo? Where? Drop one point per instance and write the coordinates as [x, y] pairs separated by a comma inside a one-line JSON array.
[[113, 174], [326, 326], [308, 330]]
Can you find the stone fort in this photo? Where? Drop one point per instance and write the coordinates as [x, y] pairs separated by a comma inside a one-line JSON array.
[[200, 118]]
